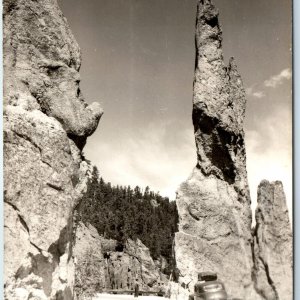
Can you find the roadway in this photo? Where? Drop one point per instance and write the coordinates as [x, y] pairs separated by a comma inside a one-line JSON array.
[[125, 297]]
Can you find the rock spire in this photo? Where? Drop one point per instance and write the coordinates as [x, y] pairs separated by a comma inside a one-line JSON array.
[[273, 240], [214, 203]]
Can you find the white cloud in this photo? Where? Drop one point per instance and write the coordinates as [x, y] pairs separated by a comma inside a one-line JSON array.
[[276, 80], [149, 157], [163, 157], [272, 82], [259, 94], [255, 93]]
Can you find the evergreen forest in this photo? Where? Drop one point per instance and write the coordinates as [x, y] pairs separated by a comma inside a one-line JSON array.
[[120, 213]]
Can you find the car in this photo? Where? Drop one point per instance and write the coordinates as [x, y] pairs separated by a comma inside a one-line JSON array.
[[209, 287]]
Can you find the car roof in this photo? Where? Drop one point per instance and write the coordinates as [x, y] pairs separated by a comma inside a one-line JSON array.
[[204, 283]]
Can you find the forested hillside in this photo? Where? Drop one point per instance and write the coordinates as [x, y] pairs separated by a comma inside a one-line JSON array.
[[120, 213]]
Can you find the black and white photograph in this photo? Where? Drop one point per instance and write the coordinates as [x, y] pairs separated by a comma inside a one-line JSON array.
[[148, 150]]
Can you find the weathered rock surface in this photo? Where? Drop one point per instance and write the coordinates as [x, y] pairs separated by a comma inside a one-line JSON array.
[[46, 123], [273, 255], [42, 60], [214, 203], [108, 268]]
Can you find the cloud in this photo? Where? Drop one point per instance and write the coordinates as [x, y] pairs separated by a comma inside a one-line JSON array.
[[162, 155], [157, 156], [276, 80], [255, 93], [272, 82], [259, 94]]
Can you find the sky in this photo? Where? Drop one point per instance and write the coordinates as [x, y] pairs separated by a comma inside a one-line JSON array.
[[138, 63]]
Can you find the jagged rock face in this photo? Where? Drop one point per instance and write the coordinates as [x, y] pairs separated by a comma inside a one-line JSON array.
[[135, 262], [214, 203], [42, 60], [273, 274], [46, 123], [108, 268]]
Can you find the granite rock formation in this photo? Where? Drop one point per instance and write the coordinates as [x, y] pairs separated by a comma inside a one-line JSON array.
[[134, 262], [273, 254], [214, 203], [110, 266], [46, 123]]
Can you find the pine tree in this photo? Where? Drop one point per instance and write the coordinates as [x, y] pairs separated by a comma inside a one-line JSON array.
[[121, 213]]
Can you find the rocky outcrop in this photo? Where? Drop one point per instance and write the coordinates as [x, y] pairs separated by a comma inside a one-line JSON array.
[[214, 203], [46, 123], [273, 255], [103, 264], [131, 264]]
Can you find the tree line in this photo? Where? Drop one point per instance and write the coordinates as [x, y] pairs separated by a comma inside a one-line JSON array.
[[119, 213]]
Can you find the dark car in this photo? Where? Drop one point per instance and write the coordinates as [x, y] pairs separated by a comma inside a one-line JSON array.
[[209, 287]]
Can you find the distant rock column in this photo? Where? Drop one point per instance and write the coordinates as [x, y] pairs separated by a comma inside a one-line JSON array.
[[273, 242], [46, 123], [214, 203]]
